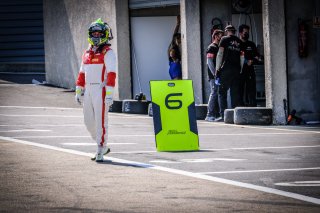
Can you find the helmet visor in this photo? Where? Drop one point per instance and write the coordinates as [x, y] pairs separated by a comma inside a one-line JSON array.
[[97, 31], [97, 34]]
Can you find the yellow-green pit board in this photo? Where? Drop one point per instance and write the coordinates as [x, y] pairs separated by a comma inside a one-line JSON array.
[[174, 115]]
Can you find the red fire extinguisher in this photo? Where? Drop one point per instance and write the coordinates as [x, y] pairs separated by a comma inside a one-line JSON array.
[[302, 38]]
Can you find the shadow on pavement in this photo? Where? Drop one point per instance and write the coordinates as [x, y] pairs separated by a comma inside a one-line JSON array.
[[110, 162]]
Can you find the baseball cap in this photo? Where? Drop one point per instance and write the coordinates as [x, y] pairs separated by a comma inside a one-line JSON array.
[[230, 28]]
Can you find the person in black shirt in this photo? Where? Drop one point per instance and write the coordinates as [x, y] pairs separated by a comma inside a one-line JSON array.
[[212, 50], [229, 64], [248, 76]]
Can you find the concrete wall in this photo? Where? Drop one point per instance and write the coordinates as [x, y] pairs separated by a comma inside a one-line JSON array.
[[61, 61], [275, 57], [209, 10], [191, 47], [303, 73], [65, 30], [122, 44]]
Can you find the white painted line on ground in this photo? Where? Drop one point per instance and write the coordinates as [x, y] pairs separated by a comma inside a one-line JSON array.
[[264, 128], [121, 115], [129, 136], [127, 117], [248, 148], [199, 160], [77, 136], [145, 151], [133, 125], [118, 115], [53, 125], [53, 136], [26, 130], [176, 171], [75, 125], [257, 171], [93, 144], [46, 146], [164, 161], [300, 183], [302, 127], [61, 116], [253, 134], [133, 152], [209, 160], [266, 147], [32, 107], [152, 135], [288, 158]]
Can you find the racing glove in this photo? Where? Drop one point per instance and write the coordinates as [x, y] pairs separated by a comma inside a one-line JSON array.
[[109, 95], [79, 93]]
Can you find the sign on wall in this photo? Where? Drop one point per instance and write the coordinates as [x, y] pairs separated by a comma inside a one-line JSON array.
[[174, 115]]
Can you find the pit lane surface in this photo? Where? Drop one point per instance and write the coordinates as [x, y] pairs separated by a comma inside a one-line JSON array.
[[277, 157]]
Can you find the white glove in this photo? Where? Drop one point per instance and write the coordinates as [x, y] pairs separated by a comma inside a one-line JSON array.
[[109, 95], [79, 93]]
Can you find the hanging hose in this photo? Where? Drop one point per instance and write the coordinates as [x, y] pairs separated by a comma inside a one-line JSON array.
[[139, 96], [136, 66]]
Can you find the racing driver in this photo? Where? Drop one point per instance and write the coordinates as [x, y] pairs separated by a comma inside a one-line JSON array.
[[96, 81]]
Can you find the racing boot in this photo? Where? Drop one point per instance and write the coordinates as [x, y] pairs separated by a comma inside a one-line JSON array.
[[98, 157]]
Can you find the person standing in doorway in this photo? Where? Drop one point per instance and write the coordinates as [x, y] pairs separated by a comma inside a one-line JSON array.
[[175, 69], [212, 50], [174, 54], [248, 76], [97, 76], [229, 63]]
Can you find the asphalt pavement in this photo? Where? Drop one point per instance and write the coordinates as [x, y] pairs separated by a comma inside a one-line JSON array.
[[46, 167]]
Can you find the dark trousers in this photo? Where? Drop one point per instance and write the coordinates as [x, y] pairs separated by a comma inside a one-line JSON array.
[[248, 87], [213, 103], [231, 82]]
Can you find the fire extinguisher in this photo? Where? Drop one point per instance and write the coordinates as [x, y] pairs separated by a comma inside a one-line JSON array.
[[302, 38]]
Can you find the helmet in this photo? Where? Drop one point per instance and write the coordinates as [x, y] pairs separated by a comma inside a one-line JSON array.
[[102, 27]]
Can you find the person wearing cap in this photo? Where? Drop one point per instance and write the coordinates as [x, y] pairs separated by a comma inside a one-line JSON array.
[[212, 50], [96, 79], [229, 63]]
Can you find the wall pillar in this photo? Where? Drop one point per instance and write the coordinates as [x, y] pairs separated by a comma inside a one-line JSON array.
[[66, 25], [191, 45], [275, 57], [122, 48]]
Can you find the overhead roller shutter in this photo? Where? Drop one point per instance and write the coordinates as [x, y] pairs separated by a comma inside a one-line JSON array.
[[21, 32], [139, 4]]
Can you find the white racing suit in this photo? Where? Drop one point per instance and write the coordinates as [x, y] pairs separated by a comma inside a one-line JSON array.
[[97, 76]]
